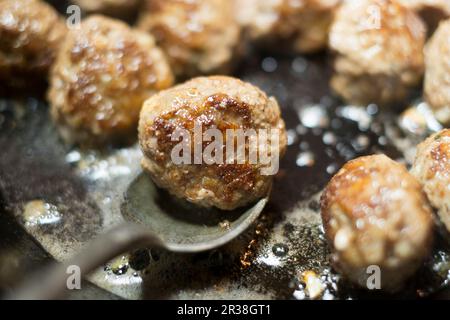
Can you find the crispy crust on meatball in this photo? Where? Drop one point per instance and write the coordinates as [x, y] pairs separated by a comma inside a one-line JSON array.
[[375, 213], [431, 11], [214, 102], [302, 25], [30, 34], [199, 36], [437, 73], [432, 168], [378, 48], [103, 73]]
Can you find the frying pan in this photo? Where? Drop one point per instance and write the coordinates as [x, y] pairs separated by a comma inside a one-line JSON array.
[[83, 192]]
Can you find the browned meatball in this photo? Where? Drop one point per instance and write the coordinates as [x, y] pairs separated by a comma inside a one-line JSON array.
[[102, 75], [301, 25], [216, 102], [375, 213], [30, 33], [432, 168], [116, 8], [431, 11], [378, 47], [199, 36], [437, 73]]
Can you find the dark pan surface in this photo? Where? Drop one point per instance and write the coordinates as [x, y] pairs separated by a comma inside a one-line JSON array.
[[82, 193]]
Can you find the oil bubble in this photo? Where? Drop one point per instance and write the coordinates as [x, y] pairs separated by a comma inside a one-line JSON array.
[[38, 212], [313, 116], [305, 159], [269, 64], [280, 249]]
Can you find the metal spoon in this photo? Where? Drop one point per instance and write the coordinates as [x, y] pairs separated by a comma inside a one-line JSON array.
[[154, 220]]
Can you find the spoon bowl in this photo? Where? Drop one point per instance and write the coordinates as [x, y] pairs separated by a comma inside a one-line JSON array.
[[153, 219], [180, 225]]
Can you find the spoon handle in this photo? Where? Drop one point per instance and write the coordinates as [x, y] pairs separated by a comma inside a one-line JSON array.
[[51, 283]]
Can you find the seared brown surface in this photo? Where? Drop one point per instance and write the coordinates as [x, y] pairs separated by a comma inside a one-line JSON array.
[[103, 74], [378, 47], [437, 73], [432, 168], [301, 26], [214, 102], [30, 33], [199, 36], [31, 171], [34, 165], [375, 213], [431, 11]]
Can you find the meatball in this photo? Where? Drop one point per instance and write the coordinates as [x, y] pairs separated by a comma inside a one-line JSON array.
[[378, 51], [221, 103], [199, 36], [30, 34], [103, 73], [432, 168], [375, 213], [431, 11], [116, 8], [303, 25], [437, 73]]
